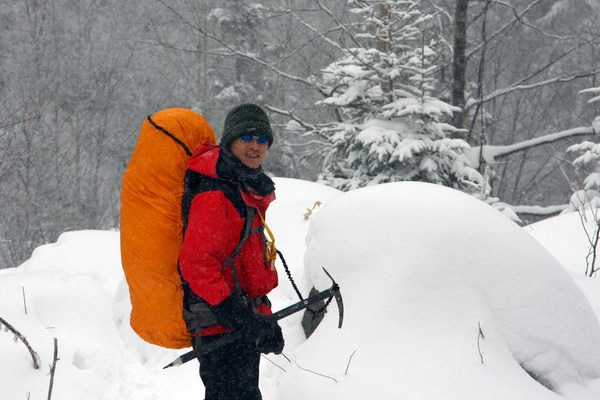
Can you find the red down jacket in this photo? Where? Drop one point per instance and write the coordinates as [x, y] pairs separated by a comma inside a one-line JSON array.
[[213, 232]]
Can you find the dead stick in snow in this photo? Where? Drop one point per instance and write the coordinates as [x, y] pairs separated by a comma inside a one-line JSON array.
[[18, 335], [349, 361], [316, 373], [480, 336], [53, 369], [24, 299]]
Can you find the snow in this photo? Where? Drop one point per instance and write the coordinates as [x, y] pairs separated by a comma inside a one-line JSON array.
[[444, 297]]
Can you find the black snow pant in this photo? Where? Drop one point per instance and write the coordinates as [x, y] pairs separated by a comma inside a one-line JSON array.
[[230, 372]]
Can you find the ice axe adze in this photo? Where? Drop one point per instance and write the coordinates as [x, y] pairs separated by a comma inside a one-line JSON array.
[[332, 292]]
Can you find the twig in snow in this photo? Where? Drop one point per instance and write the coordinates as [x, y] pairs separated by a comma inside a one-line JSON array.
[[480, 335], [349, 361], [287, 358], [24, 299], [273, 362], [310, 211], [53, 368], [19, 336], [316, 373]]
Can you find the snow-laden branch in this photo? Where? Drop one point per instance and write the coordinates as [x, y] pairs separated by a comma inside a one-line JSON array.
[[490, 154], [539, 210], [518, 87], [595, 91]]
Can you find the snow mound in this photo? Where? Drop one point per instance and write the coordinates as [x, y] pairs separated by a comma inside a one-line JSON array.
[[81, 253], [470, 290]]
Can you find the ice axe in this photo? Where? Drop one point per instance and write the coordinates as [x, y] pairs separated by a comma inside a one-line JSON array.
[[332, 293]]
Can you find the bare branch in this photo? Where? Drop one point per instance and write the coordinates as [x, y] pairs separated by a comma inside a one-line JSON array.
[[523, 21], [310, 128], [346, 30], [11, 124], [316, 373], [53, 369], [290, 115], [349, 361], [23, 339], [233, 51], [337, 45], [590, 269], [479, 337], [593, 252], [318, 35], [502, 29], [476, 48], [24, 299], [273, 362]]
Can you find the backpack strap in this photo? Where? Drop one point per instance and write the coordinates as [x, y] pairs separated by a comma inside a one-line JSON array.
[[169, 134], [195, 183], [246, 230]]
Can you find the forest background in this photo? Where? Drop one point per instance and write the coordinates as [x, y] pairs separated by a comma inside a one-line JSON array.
[[509, 80]]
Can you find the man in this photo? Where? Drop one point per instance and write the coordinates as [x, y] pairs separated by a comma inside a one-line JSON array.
[[224, 261]]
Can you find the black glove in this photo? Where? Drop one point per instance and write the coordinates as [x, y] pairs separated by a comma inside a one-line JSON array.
[[272, 344], [233, 313]]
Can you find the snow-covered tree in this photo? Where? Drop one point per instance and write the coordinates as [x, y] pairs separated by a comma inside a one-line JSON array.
[[588, 153], [391, 126]]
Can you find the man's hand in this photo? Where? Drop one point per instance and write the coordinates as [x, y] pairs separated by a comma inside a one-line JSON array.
[[272, 344], [234, 314]]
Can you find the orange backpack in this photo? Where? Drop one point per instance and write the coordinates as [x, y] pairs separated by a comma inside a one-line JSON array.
[[151, 223]]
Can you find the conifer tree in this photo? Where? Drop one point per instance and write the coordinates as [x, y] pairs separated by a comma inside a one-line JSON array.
[[390, 123]]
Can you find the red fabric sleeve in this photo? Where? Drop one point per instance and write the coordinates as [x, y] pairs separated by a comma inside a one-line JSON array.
[[212, 234]]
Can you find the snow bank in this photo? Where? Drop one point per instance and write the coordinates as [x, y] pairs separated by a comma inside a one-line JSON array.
[[471, 295], [422, 269]]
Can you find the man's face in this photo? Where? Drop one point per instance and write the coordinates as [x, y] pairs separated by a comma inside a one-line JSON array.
[[251, 153]]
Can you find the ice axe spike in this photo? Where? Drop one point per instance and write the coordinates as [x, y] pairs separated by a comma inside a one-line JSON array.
[[333, 291], [338, 298]]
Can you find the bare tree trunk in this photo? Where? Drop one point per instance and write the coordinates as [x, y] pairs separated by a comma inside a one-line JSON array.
[[384, 45], [459, 61]]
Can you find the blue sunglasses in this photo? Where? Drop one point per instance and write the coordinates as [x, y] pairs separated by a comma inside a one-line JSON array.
[[261, 139]]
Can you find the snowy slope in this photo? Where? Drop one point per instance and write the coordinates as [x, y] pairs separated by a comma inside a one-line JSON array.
[[422, 269]]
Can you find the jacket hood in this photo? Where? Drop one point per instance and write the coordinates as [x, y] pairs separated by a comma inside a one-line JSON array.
[[204, 160]]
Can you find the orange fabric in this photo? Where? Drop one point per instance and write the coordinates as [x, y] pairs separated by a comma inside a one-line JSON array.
[[151, 225]]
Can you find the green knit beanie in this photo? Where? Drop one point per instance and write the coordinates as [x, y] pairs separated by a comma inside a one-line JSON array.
[[245, 119]]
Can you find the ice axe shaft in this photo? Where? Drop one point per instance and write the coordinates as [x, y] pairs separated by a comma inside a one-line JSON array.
[[333, 291]]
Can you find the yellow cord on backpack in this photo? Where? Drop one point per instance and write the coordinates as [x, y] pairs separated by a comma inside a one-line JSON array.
[[271, 250]]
